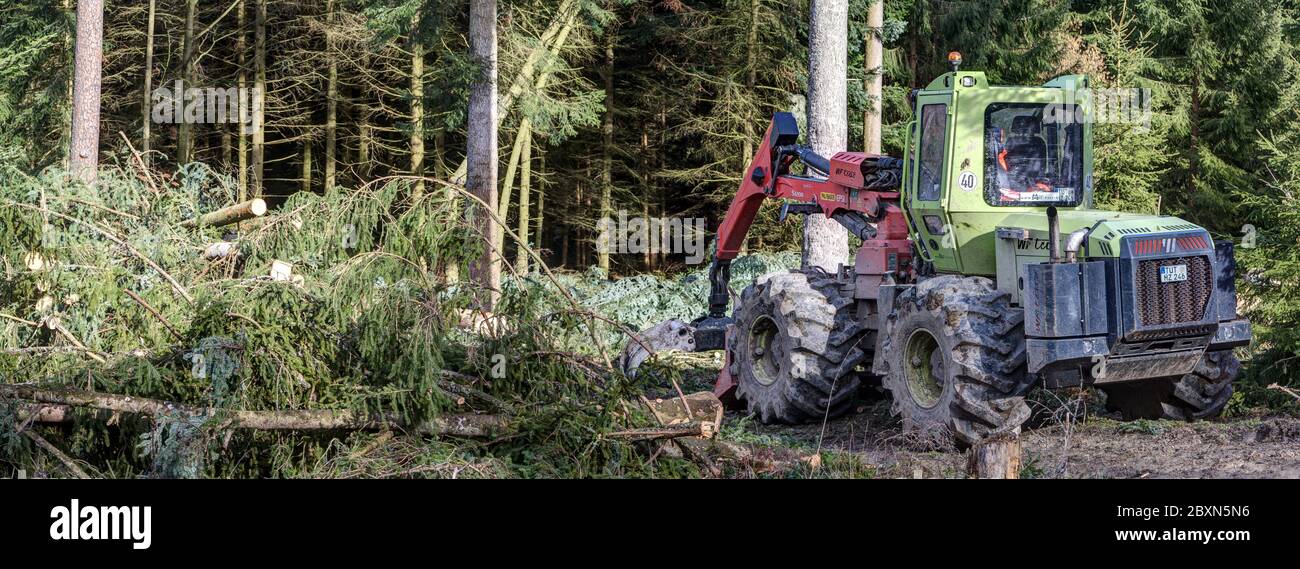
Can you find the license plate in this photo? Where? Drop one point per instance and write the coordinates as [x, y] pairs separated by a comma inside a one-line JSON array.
[[1173, 273]]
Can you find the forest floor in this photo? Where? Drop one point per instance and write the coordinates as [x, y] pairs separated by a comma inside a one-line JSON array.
[[869, 442]]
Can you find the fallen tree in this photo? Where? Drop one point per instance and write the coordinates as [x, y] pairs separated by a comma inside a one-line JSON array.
[[465, 425]]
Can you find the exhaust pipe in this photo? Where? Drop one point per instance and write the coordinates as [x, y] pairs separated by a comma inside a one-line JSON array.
[[1073, 244], [1053, 235]]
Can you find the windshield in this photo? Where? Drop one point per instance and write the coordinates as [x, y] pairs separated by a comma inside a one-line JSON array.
[[1034, 155]]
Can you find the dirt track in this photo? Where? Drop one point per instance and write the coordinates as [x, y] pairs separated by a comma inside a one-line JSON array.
[[1098, 448]]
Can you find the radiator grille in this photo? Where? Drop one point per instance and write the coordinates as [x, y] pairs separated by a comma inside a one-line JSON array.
[[1177, 302]]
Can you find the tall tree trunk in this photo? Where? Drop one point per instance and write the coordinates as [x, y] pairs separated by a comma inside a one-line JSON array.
[[87, 83], [146, 103], [507, 185], [552, 41], [259, 102], [1194, 126], [306, 163], [481, 146], [525, 216], [825, 242], [241, 45], [607, 152], [751, 81], [225, 146], [417, 107], [185, 131], [874, 80], [363, 146], [541, 201], [332, 101], [440, 154]]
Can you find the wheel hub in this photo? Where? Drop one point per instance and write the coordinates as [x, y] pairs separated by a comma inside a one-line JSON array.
[[924, 368], [764, 362]]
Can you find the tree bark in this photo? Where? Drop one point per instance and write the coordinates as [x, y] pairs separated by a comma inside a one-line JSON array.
[[525, 216], [607, 153], [331, 102], [239, 212], [83, 158], [259, 101], [289, 420], [998, 457], [481, 147], [146, 103], [874, 81], [417, 107], [825, 242], [306, 162], [541, 199], [240, 47], [184, 130], [751, 81]]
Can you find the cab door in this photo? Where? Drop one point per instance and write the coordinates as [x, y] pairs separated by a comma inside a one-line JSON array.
[[928, 180]]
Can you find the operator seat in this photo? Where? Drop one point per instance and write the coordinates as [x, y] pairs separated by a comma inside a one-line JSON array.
[[1026, 150]]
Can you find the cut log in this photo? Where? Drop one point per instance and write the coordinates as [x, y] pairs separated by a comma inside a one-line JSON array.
[[684, 430], [227, 215], [291, 420], [997, 457], [703, 408]]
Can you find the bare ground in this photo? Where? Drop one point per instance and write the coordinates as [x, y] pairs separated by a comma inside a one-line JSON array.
[[870, 442], [1098, 447]]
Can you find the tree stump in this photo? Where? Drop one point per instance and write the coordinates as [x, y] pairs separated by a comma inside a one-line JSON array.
[[996, 457]]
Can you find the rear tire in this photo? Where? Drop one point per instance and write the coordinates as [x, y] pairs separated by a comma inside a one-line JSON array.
[[1201, 394], [954, 353], [794, 348]]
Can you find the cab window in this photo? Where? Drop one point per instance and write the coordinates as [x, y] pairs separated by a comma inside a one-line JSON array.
[[934, 123], [1034, 155]]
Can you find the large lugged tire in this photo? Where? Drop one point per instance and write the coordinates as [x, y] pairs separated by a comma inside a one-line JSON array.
[[954, 353], [1201, 394], [794, 349]]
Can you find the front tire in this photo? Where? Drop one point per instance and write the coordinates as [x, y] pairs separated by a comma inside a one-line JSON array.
[[1200, 394], [794, 349], [954, 353]]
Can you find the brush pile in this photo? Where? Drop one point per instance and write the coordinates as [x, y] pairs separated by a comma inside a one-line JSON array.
[[141, 337]]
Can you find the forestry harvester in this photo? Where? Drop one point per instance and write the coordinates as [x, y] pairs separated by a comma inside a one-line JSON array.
[[984, 271]]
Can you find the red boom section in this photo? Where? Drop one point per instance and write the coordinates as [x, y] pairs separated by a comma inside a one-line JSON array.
[[841, 191]]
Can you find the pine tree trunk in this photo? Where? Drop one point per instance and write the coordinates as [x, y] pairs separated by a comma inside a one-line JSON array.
[[541, 201], [751, 81], [874, 81], [512, 168], [185, 131], [244, 117], [225, 146], [525, 216], [83, 158], [332, 102], [146, 103], [363, 146], [259, 101], [1194, 126], [306, 163], [825, 242], [481, 146], [417, 107], [607, 152]]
